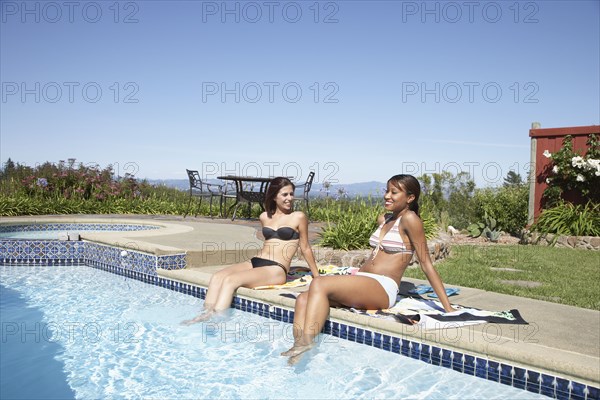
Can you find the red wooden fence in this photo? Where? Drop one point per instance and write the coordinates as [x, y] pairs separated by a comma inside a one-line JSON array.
[[551, 139]]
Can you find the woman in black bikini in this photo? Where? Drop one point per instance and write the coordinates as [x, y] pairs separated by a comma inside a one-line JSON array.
[[284, 230]]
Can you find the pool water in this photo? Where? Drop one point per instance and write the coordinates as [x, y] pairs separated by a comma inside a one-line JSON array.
[[108, 336], [60, 231], [45, 235]]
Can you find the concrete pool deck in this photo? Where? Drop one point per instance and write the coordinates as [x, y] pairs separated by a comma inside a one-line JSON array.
[[559, 340]]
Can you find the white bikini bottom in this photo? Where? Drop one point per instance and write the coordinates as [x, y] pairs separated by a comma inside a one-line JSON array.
[[388, 284]]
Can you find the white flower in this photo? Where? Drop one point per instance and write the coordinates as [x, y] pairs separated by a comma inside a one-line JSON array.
[[577, 161], [548, 181], [555, 169], [580, 178], [593, 164], [547, 154]]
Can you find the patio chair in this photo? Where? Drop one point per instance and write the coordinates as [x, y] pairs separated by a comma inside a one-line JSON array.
[[228, 191], [306, 188], [203, 190]]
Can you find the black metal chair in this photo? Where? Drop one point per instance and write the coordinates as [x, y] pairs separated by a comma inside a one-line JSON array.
[[228, 191], [306, 188], [203, 190]]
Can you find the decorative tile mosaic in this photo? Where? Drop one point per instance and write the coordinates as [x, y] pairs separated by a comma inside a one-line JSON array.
[[41, 252], [57, 252]]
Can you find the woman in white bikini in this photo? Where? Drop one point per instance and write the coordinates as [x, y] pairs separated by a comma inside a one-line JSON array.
[[375, 286], [284, 230]]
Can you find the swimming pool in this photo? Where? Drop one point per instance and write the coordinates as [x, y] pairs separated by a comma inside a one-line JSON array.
[[63, 230], [111, 336]]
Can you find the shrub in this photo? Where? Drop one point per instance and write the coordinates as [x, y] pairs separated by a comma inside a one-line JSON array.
[[449, 194], [487, 229], [507, 205], [570, 219], [573, 173]]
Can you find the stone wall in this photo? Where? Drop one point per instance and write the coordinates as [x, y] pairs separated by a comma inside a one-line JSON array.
[[572, 242]]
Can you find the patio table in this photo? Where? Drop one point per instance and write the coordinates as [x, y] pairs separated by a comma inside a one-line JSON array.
[[245, 195]]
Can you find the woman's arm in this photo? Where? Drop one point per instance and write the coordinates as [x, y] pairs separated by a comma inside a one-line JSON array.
[[305, 245], [414, 228]]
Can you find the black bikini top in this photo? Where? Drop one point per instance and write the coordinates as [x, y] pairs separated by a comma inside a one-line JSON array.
[[283, 233]]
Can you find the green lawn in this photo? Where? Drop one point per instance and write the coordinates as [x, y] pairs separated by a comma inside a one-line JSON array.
[[567, 276]]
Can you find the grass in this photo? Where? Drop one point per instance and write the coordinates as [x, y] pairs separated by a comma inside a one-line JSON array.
[[567, 276]]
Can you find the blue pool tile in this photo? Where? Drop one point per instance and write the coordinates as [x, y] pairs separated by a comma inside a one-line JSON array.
[[577, 392], [425, 353], [386, 342], [481, 367], [533, 381], [506, 374], [377, 340], [368, 337], [335, 329], [562, 389], [415, 350], [457, 361], [436, 355], [327, 327], [446, 358], [396, 345], [266, 310], [469, 365], [343, 331], [593, 393], [253, 307], [276, 314], [360, 335], [286, 316], [547, 385], [405, 348], [519, 378], [352, 333], [493, 371]]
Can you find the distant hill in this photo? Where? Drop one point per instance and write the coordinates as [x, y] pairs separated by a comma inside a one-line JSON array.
[[372, 188]]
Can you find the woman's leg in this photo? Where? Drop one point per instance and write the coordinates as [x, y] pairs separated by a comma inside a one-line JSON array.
[[269, 275], [214, 288], [216, 282], [351, 291], [299, 315]]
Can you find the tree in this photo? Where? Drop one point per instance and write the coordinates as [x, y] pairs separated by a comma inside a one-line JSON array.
[[9, 167], [512, 179]]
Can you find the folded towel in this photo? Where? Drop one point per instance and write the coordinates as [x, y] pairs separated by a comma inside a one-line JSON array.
[[335, 270], [298, 282], [430, 314]]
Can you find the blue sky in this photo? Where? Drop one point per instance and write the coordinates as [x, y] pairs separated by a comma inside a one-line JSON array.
[[356, 90]]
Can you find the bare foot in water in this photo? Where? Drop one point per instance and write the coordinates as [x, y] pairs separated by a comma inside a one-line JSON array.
[[202, 317], [297, 350], [296, 353]]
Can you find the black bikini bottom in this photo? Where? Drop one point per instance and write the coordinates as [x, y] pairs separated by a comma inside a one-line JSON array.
[[263, 262]]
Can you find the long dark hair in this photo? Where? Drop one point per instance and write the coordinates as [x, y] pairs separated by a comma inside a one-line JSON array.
[[274, 187], [411, 185]]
